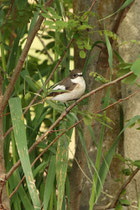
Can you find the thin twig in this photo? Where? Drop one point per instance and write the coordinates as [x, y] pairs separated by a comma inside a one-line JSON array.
[[92, 5], [114, 203], [7, 132], [118, 102], [10, 9]]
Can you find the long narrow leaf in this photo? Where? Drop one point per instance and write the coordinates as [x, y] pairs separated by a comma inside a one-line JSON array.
[[22, 193], [21, 142], [61, 168], [110, 53], [49, 183], [98, 158]]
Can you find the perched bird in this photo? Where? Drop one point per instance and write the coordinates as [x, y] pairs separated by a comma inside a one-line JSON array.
[[70, 88]]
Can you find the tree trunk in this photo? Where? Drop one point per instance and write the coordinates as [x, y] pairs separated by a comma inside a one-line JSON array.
[[4, 201], [99, 64], [128, 31]]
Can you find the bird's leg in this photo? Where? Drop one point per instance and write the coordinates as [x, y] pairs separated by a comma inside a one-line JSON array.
[[66, 106]]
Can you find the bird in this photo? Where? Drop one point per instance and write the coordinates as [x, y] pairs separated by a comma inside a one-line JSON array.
[[70, 88]]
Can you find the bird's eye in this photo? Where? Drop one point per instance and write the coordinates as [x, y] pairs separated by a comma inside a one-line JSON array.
[[74, 75]]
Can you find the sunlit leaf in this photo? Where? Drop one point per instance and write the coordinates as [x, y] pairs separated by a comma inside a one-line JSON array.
[[130, 80], [21, 142], [82, 54], [136, 67], [137, 163], [124, 202], [49, 182]]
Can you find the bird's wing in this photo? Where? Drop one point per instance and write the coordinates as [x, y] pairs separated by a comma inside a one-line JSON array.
[[67, 83], [63, 86]]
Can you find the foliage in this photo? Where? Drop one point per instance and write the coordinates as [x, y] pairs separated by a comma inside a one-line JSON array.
[[47, 173]]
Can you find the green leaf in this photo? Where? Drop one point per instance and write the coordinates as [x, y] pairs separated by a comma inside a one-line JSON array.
[[124, 202], [110, 53], [21, 142], [136, 67], [119, 207], [55, 106], [61, 24], [122, 72], [96, 177], [79, 42], [25, 75], [54, 14], [81, 47], [22, 192], [99, 77], [46, 15], [49, 23], [84, 27], [61, 168], [49, 182], [126, 171], [130, 80], [82, 54], [87, 46], [137, 163], [88, 119], [126, 3]]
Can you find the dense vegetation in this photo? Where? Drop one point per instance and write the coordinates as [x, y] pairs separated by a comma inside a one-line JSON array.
[[31, 123]]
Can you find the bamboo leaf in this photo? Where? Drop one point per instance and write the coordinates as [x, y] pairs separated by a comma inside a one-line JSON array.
[[61, 168], [110, 54], [21, 142], [22, 193], [25, 75], [49, 183]]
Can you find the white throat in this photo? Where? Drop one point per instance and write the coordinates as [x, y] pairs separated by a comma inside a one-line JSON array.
[[80, 80]]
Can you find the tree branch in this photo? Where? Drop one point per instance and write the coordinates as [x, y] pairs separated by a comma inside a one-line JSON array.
[[21, 60], [118, 102]]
